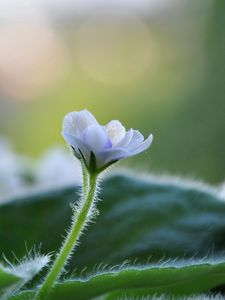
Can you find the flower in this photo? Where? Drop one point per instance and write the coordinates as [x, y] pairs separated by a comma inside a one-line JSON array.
[[98, 145]]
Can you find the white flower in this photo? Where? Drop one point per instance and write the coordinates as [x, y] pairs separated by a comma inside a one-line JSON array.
[[101, 145]]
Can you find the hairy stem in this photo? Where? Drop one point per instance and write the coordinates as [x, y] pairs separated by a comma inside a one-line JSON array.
[[85, 180], [80, 219]]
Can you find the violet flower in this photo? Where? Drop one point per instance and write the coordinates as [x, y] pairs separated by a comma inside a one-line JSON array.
[[99, 145]]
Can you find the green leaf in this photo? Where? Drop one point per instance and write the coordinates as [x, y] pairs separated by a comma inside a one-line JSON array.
[[170, 279], [7, 280], [144, 282], [13, 276], [139, 218]]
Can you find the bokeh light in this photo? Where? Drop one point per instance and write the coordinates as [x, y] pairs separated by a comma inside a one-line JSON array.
[[155, 65], [115, 46], [31, 60]]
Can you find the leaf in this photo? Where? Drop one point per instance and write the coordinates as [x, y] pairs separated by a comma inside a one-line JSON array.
[[13, 276], [7, 280], [139, 218], [171, 279]]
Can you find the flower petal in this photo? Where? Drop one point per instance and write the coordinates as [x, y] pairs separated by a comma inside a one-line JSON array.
[[108, 143], [115, 131], [110, 155], [75, 122], [96, 138], [78, 144], [143, 146], [136, 140], [126, 140]]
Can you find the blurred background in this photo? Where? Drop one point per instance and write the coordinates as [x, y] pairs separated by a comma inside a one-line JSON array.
[[156, 65]]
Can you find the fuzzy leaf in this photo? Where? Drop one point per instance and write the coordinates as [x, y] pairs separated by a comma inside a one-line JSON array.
[[12, 276], [7, 280], [138, 219], [172, 279]]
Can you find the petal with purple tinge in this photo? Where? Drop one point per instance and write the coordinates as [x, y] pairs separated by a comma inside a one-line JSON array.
[[135, 141], [143, 146], [108, 143], [111, 155], [126, 140], [78, 144], [96, 138], [75, 123], [115, 131]]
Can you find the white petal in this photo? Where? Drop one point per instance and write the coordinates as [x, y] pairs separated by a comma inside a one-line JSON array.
[[135, 141], [143, 146], [109, 143], [115, 131], [75, 122], [78, 144], [126, 140], [96, 138], [110, 155]]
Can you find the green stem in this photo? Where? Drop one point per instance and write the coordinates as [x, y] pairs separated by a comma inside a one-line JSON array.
[[85, 180], [80, 219]]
